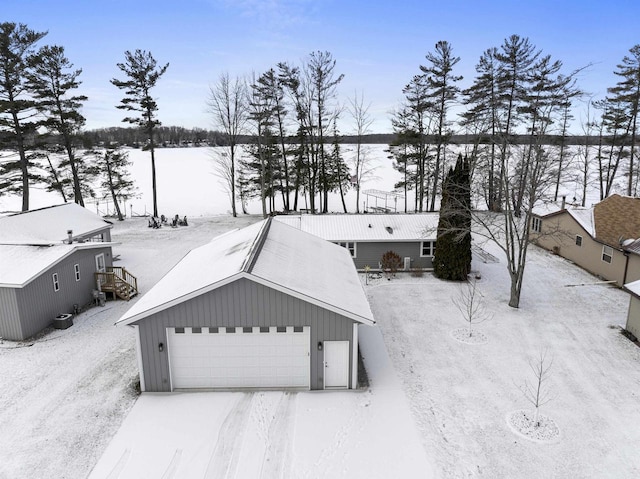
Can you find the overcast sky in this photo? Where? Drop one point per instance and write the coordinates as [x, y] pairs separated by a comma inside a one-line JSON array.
[[378, 45]]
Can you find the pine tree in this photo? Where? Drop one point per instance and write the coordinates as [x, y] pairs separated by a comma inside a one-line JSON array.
[[50, 81], [18, 122], [452, 259], [142, 73]]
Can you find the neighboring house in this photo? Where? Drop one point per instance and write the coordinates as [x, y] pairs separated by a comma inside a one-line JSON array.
[[266, 306], [369, 236], [633, 316], [46, 271], [601, 239]]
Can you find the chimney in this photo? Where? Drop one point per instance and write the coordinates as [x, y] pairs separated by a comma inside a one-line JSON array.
[[70, 236], [564, 202]]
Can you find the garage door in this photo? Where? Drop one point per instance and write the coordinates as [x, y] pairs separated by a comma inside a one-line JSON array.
[[239, 357]]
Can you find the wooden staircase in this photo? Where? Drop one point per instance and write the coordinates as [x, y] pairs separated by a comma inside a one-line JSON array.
[[117, 281]]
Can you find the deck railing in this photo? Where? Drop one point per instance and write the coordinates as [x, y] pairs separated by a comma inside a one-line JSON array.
[[117, 280]]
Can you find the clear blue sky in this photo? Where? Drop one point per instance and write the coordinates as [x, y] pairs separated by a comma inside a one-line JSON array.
[[378, 45]]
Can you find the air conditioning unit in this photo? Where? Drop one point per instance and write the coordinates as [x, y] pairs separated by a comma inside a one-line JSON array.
[[63, 321]]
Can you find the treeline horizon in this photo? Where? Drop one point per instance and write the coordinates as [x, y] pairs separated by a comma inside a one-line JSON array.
[[181, 136]]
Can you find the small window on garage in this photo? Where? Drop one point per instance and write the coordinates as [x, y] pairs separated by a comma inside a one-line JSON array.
[[247, 329], [179, 330], [578, 240], [230, 330], [76, 269], [264, 329], [196, 330], [56, 282], [213, 330], [427, 248], [607, 254], [281, 329], [536, 224], [297, 329]]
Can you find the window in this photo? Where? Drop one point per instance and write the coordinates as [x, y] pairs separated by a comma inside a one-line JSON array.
[[196, 330], [350, 245], [536, 224], [56, 283], [213, 330], [179, 330], [281, 329], [247, 329], [76, 269], [428, 248], [607, 254], [578, 240], [230, 330], [298, 329], [264, 329]]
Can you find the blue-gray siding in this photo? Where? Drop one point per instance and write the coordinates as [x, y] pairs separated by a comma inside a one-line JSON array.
[[241, 303], [38, 304], [370, 254], [10, 327]]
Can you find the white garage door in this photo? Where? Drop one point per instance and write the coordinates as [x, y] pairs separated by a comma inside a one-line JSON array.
[[239, 357]]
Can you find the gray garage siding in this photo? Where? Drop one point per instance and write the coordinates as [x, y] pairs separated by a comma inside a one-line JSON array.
[[39, 304], [9, 315], [370, 254], [242, 303]]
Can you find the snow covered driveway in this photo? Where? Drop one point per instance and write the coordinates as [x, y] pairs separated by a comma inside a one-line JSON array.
[[461, 394], [272, 434]]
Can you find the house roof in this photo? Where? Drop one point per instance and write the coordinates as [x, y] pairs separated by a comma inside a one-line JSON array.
[[50, 225], [269, 253], [367, 227], [617, 218], [612, 221], [632, 246], [21, 264]]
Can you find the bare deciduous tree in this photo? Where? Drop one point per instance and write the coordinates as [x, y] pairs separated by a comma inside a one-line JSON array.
[[228, 106], [361, 162], [471, 304], [537, 391]]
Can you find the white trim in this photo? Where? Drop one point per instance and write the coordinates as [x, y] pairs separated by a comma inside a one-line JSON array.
[[433, 248], [230, 279], [345, 245], [354, 366], [610, 255], [56, 282], [104, 263], [76, 271], [139, 357], [166, 351]]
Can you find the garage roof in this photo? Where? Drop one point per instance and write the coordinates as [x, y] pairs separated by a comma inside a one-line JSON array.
[[369, 227], [270, 253]]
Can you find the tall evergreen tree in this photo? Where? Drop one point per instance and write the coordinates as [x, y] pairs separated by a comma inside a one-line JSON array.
[[452, 258], [442, 90], [142, 72], [627, 94], [18, 122], [51, 79]]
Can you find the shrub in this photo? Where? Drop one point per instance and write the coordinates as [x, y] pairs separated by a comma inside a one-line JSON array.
[[391, 262]]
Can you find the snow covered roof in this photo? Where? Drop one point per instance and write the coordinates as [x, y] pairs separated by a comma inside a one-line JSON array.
[[20, 264], [369, 227], [583, 216], [633, 288], [50, 225], [269, 253]]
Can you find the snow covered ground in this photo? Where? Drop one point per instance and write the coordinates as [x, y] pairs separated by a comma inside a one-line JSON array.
[[65, 395], [461, 394]]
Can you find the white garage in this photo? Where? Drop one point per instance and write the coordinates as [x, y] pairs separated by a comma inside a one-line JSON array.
[[267, 357]]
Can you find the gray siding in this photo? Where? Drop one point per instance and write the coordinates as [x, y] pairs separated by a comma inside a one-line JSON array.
[[10, 327], [370, 254], [39, 304], [106, 235], [241, 303]]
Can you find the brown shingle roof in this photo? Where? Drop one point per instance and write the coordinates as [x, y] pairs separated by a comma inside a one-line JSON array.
[[617, 217]]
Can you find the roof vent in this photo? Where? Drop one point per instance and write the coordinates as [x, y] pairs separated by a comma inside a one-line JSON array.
[[369, 225], [389, 229], [70, 236]]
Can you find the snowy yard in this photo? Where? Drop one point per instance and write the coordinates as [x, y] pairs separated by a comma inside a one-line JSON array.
[[66, 395], [461, 394]]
